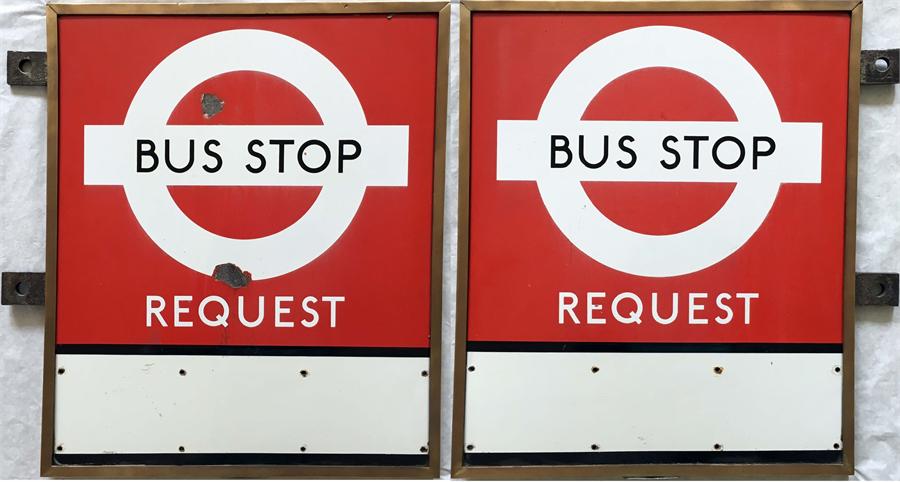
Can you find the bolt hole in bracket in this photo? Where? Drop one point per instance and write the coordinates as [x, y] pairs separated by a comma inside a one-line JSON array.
[[26, 68], [879, 67]]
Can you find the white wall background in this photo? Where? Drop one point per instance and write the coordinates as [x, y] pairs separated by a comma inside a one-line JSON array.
[[22, 213]]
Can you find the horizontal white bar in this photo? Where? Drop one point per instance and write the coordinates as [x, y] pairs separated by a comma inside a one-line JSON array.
[[556, 402], [524, 151], [113, 155], [241, 404]]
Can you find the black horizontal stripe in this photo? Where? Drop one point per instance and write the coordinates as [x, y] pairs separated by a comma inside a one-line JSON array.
[[607, 458], [241, 350], [243, 459], [583, 347]]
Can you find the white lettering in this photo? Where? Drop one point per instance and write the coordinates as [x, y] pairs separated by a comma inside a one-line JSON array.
[[693, 307], [727, 309], [634, 316], [259, 316], [591, 307], [314, 313], [333, 300], [565, 307], [220, 320], [747, 297], [182, 309], [696, 310], [155, 310], [655, 310], [280, 310]]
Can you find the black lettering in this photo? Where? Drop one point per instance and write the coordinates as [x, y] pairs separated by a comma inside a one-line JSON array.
[[262, 159], [581, 153], [696, 146], [555, 147], [672, 151], [190, 162], [302, 151], [757, 153], [715, 152], [343, 156], [630, 151], [143, 151], [209, 152], [281, 143]]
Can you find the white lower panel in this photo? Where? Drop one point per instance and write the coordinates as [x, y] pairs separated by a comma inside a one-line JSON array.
[[555, 402], [241, 404]]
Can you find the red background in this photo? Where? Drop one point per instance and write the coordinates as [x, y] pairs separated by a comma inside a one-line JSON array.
[[519, 260], [381, 264]]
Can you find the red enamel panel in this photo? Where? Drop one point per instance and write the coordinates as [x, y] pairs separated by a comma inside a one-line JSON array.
[[520, 261], [380, 265]]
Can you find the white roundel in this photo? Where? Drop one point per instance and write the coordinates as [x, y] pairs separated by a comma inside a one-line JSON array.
[[585, 225], [312, 74]]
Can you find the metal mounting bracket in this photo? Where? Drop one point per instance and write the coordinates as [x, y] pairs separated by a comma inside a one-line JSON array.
[[22, 289], [879, 67], [878, 289], [26, 68]]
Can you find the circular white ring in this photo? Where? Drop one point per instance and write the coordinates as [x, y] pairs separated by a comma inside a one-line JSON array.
[[246, 50], [659, 255]]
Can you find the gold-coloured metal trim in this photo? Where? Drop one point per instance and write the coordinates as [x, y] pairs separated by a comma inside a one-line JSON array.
[[47, 468], [659, 5], [424, 6], [462, 251], [847, 400], [458, 469], [437, 238], [49, 385]]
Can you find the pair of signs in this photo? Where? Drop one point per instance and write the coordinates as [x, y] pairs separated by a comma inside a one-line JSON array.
[[656, 227]]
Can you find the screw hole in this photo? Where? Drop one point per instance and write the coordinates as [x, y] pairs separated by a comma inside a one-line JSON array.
[[717, 447], [594, 369], [837, 369], [303, 448], [471, 368], [718, 370], [59, 448], [61, 370], [181, 448], [595, 447], [470, 447], [26, 66], [836, 446], [21, 288], [882, 65], [424, 373], [304, 373], [182, 372], [423, 449], [882, 289]]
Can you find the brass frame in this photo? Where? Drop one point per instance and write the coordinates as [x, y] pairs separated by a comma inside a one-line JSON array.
[[854, 9], [48, 469]]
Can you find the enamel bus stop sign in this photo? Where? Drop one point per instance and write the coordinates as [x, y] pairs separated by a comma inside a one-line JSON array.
[[245, 249], [657, 265]]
